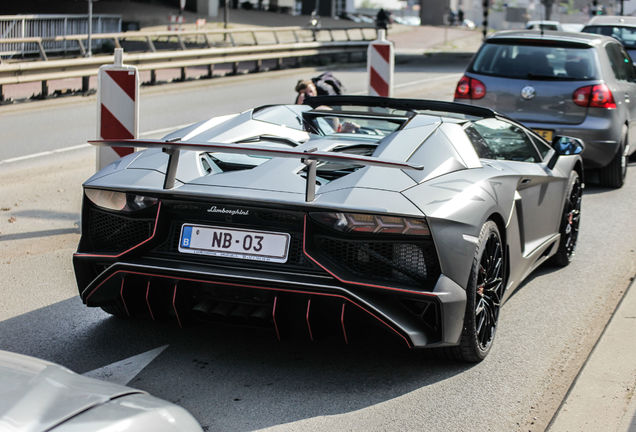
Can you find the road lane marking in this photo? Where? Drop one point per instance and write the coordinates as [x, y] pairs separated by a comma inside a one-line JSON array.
[[82, 146], [172, 128], [46, 153], [417, 82], [123, 371]]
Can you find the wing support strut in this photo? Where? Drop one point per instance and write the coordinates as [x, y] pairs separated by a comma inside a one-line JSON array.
[[171, 171], [310, 185]]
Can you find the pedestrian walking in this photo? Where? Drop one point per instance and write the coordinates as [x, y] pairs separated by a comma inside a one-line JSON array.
[[382, 20]]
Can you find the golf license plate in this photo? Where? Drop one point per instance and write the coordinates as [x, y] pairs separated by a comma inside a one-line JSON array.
[[545, 133], [234, 243]]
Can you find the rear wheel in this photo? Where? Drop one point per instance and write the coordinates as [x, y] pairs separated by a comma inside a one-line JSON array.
[[570, 220], [613, 175], [484, 296]]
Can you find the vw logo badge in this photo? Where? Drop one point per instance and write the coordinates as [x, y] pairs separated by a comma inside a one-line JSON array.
[[528, 92]]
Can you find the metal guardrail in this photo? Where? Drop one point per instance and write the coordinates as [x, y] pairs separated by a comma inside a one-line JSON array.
[[299, 43], [32, 34], [182, 40]]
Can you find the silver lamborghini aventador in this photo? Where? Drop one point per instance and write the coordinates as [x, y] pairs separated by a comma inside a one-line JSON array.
[[419, 216]]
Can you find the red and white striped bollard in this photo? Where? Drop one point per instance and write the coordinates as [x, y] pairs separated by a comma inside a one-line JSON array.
[[380, 66], [117, 107]]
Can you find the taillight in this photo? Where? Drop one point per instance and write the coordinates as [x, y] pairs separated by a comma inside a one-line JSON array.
[[594, 96], [366, 223], [119, 201], [470, 88]]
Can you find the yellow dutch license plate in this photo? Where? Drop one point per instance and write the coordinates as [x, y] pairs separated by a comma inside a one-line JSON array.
[[546, 134]]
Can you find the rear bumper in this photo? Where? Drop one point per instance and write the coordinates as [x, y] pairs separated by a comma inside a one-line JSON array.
[[173, 288]]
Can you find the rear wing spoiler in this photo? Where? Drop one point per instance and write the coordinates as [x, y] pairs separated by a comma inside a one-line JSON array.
[[399, 104], [308, 157]]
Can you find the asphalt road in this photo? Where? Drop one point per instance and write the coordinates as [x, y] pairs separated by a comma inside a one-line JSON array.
[[68, 122], [236, 379]]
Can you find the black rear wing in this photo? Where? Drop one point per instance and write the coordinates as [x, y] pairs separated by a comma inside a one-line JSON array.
[[400, 104], [308, 157]]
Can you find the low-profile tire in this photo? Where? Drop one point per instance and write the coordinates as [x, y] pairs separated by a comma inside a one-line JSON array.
[[613, 175], [115, 308], [570, 220], [483, 297]]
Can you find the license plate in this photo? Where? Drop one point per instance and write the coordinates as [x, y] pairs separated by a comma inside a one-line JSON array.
[[546, 134], [234, 243]]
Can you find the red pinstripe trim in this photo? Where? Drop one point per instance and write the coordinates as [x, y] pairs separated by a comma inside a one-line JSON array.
[[408, 343], [174, 306], [352, 282], [274, 318], [121, 294], [147, 302], [311, 336], [344, 330], [128, 250]]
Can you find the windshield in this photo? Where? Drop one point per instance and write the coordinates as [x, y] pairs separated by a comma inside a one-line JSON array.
[[512, 60], [282, 115], [625, 35]]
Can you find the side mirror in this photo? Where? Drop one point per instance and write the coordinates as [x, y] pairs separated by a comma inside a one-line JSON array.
[[565, 146]]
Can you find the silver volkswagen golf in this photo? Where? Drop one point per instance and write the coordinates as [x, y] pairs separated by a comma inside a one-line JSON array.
[[557, 83]]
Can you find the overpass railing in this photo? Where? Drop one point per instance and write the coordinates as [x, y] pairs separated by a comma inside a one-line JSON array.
[[195, 49], [142, 41], [24, 35]]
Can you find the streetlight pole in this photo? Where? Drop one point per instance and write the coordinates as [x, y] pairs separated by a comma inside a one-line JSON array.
[[485, 5], [90, 27]]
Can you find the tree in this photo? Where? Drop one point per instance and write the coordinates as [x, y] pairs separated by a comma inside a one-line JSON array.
[[548, 7]]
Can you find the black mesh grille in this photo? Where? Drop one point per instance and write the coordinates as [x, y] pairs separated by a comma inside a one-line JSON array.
[[108, 232], [411, 263]]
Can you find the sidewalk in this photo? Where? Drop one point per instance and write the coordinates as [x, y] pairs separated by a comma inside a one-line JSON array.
[[603, 397]]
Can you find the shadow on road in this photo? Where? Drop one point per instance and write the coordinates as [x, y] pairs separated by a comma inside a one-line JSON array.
[[39, 234], [228, 377], [47, 214]]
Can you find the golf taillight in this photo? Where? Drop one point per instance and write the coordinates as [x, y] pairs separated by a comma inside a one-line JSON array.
[[594, 96], [470, 88]]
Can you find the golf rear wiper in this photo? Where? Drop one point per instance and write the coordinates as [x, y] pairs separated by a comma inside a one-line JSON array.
[[531, 75]]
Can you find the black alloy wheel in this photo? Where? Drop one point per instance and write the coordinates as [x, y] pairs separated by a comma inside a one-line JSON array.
[[570, 221], [489, 291], [484, 297]]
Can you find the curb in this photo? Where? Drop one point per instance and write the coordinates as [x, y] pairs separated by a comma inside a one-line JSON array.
[[602, 396]]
